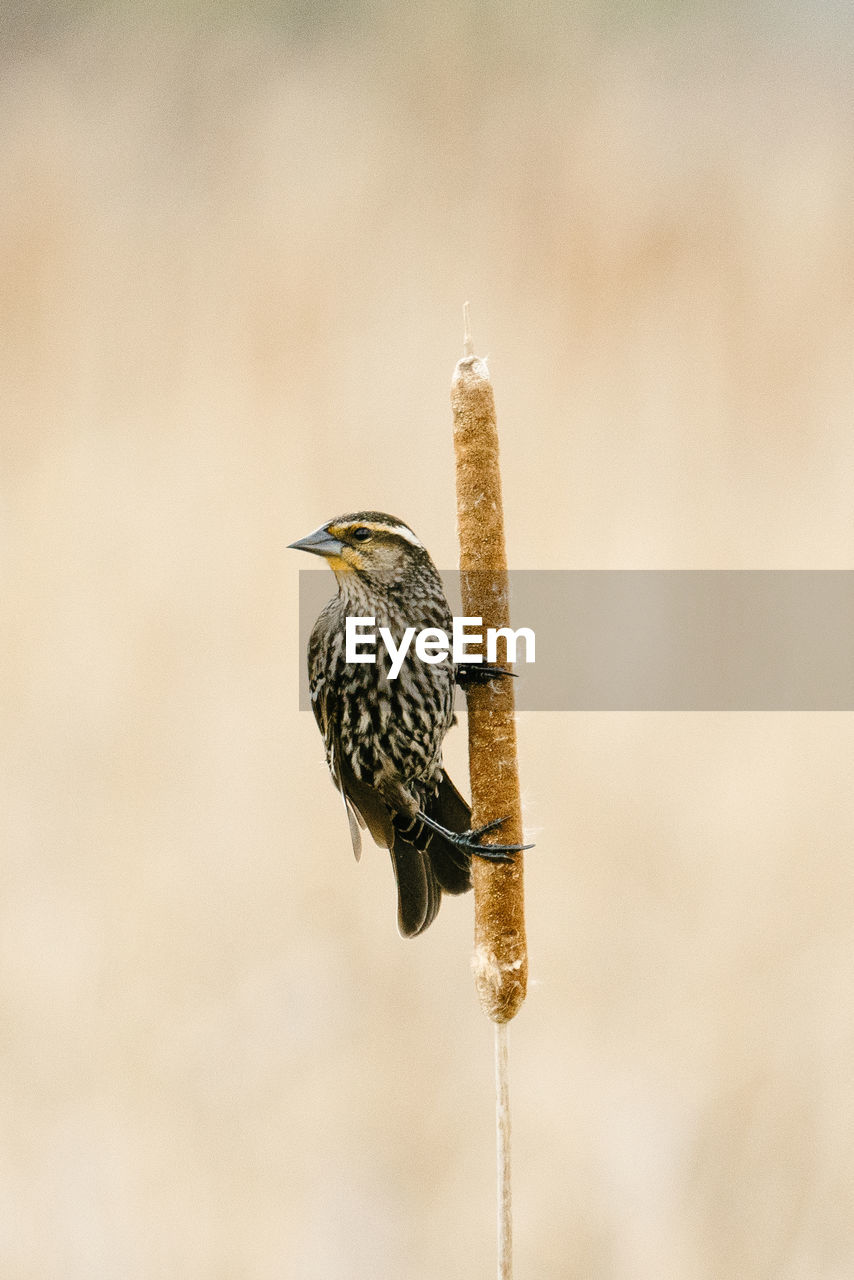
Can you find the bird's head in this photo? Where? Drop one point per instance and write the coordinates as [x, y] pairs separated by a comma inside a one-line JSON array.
[[376, 547]]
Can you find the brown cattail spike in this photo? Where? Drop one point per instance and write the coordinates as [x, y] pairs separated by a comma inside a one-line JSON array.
[[500, 959]]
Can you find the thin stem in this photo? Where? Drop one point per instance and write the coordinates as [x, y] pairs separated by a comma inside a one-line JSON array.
[[468, 344], [502, 1136]]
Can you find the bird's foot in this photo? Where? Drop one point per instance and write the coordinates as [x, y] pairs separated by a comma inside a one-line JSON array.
[[469, 840], [472, 673]]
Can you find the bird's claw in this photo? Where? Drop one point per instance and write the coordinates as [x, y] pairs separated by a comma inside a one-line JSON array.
[[489, 852], [469, 840], [471, 673]]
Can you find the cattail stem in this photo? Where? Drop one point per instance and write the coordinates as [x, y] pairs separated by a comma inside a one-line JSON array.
[[500, 953], [500, 959], [502, 1142]]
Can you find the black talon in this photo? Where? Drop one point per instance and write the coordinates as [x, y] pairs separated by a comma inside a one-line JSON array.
[[495, 852], [477, 832], [468, 840], [472, 673]]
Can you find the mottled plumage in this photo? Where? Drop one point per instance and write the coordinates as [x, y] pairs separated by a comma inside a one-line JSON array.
[[384, 736]]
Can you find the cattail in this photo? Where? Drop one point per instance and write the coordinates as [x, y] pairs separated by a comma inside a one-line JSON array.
[[500, 957], [500, 949]]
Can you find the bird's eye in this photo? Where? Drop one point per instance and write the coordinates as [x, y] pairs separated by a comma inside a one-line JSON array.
[[361, 534]]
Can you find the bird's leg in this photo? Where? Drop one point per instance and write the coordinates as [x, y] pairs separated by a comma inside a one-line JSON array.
[[471, 673], [468, 840]]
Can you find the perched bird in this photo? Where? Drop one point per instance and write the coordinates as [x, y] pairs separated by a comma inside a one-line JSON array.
[[384, 736]]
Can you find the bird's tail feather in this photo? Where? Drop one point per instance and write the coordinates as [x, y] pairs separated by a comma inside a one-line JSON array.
[[425, 863], [451, 864], [423, 875], [418, 892]]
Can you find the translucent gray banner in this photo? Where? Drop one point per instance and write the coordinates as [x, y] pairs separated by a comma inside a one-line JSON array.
[[667, 640]]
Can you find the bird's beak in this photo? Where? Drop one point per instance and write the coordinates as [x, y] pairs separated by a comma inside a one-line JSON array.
[[319, 543]]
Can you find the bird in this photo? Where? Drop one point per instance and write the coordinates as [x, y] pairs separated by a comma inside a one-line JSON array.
[[383, 737]]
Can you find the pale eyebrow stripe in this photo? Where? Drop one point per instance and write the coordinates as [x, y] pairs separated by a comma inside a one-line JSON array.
[[402, 532], [400, 529]]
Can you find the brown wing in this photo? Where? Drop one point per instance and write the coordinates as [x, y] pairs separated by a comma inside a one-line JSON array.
[[324, 704], [424, 864]]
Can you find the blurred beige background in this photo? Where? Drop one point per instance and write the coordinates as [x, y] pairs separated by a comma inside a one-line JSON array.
[[234, 245]]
